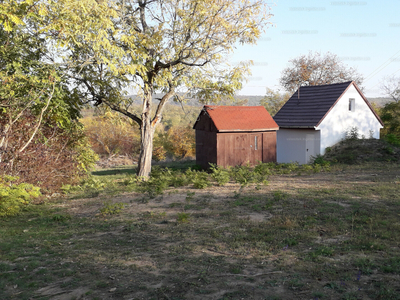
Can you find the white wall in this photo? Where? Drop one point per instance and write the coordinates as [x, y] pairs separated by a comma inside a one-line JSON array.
[[340, 119], [292, 145]]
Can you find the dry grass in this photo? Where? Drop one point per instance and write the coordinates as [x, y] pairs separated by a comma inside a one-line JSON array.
[[332, 235]]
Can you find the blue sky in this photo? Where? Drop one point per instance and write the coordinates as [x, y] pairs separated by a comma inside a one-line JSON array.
[[364, 34]]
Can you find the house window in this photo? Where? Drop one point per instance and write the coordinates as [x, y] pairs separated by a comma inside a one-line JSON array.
[[256, 143], [352, 104]]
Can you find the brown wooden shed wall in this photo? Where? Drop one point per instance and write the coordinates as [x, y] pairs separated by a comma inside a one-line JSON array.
[[206, 148], [269, 146], [232, 148], [241, 148]]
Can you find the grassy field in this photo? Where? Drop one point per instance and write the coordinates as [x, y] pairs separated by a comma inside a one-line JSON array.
[[327, 235]]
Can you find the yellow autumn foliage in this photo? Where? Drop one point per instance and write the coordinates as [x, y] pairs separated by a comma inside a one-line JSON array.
[[111, 133]]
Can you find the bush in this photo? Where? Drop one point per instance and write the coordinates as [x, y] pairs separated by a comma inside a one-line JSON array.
[[14, 197], [111, 133], [110, 208], [320, 160], [219, 174], [177, 142], [59, 154], [352, 133], [390, 115], [393, 139]]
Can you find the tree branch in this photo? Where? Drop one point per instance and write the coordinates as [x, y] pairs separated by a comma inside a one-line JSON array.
[[123, 111]]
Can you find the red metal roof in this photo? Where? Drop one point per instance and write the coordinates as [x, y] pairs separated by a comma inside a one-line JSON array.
[[241, 118]]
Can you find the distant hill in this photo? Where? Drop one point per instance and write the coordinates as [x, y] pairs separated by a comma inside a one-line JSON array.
[[380, 101], [253, 100]]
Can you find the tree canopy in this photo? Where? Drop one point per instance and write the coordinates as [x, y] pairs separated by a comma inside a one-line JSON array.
[[149, 46], [317, 69], [38, 135], [274, 100]]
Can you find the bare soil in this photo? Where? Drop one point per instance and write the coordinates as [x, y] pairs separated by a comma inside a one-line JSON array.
[[147, 253]]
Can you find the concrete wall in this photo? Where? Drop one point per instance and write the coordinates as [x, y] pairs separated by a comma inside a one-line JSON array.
[[297, 145]]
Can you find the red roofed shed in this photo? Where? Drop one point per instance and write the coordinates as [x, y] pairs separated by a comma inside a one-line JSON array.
[[235, 135]]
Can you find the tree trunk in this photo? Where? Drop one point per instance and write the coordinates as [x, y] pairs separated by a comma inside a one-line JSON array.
[[147, 129], [146, 149], [146, 136]]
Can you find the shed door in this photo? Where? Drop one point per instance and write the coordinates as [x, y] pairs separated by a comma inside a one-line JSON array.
[[256, 145], [310, 149]]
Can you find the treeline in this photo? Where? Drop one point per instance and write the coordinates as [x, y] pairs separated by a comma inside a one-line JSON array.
[[111, 133]]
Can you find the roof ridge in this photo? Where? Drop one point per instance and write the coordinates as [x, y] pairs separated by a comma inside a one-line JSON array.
[[326, 85]]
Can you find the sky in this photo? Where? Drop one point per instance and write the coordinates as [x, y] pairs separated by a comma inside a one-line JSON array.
[[364, 34]]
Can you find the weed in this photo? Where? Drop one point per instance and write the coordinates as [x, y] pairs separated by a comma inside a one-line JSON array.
[[189, 196], [320, 160], [334, 286], [61, 217], [153, 215], [295, 282], [290, 242], [352, 133], [383, 291], [391, 265], [15, 197], [200, 180], [242, 175], [264, 169], [315, 254], [183, 217], [365, 265], [280, 195], [153, 187], [318, 295], [110, 208], [219, 174]]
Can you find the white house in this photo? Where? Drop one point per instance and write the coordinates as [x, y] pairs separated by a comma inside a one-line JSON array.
[[317, 117]]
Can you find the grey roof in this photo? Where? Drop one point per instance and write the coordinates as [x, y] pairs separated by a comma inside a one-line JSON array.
[[309, 105]]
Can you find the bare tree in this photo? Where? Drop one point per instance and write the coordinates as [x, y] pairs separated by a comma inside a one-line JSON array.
[[317, 69], [391, 87]]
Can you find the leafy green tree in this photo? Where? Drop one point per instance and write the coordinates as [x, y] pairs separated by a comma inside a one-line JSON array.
[[317, 69], [27, 84], [273, 101], [36, 110], [149, 46], [390, 115]]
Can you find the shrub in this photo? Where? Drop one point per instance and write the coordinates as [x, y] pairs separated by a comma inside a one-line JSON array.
[[183, 217], [110, 208], [393, 139], [14, 197], [264, 169], [111, 133], [177, 142], [390, 115], [219, 174], [352, 133], [320, 160], [242, 174], [59, 154], [200, 180]]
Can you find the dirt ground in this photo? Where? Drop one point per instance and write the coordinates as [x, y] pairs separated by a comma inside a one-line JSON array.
[[148, 253]]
